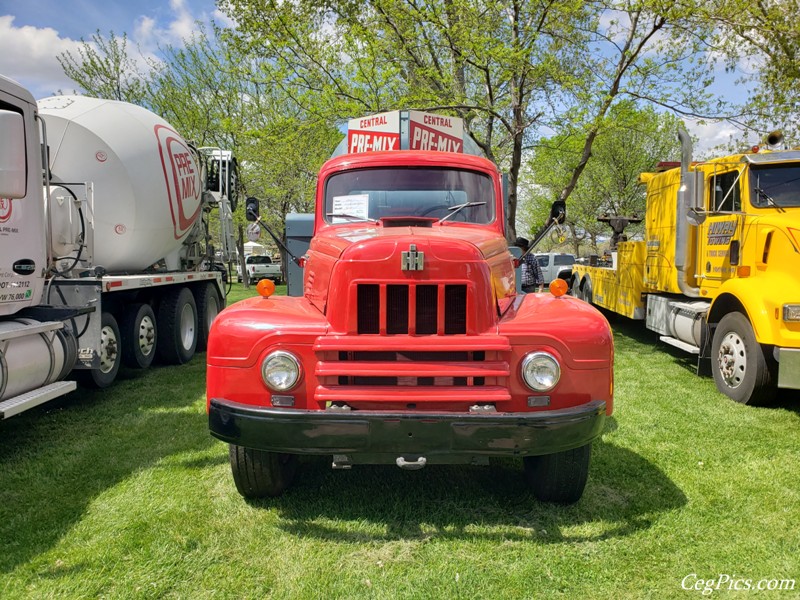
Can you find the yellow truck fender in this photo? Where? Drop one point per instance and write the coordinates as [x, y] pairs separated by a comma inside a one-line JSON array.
[[761, 300]]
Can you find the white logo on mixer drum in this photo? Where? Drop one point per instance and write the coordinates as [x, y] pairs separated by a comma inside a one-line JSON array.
[[181, 176]]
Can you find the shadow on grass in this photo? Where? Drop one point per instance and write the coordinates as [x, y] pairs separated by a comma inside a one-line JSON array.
[[624, 495], [56, 459]]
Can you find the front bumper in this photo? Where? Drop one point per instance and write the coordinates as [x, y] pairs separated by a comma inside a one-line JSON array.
[[441, 437]]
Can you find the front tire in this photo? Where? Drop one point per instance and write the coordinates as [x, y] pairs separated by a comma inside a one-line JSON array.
[[561, 477], [743, 370], [177, 326], [261, 474]]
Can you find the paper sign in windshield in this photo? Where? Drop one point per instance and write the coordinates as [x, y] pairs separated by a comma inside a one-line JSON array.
[[353, 207]]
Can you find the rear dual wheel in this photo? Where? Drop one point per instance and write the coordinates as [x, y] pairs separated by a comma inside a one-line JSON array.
[[177, 326], [139, 333], [209, 304], [110, 355]]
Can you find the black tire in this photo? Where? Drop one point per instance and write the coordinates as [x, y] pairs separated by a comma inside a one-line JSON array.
[[177, 326], [586, 291], [110, 355], [743, 369], [139, 335], [209, 304], [261, 474], [560, 477], [574, 287]]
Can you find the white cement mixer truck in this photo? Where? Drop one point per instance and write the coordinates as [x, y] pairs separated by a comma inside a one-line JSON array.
[[106, 254]]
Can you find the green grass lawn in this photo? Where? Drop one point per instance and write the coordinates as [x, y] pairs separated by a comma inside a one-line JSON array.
[[123, 493]]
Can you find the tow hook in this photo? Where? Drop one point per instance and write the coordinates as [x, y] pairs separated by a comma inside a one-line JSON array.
[[411, 465]]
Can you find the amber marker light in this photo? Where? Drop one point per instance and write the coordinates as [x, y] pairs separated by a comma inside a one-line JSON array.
[[558, 287], [265, 288]]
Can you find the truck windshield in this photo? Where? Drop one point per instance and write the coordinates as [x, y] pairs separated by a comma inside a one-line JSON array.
[[371, 194], [775, 186]]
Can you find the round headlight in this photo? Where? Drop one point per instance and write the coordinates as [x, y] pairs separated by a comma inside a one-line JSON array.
[[540, 371], [280, 371]]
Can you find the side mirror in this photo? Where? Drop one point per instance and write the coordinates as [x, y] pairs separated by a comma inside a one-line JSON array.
[[251, 208], [695, 217], [12, 155]]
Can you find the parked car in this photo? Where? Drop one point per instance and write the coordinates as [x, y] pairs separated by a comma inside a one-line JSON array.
[[556, 266], [260, 267]]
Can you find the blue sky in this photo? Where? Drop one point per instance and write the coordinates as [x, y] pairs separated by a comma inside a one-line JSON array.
[[34, 32]]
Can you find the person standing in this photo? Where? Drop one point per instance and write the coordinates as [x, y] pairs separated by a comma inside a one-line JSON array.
[[532, 278]]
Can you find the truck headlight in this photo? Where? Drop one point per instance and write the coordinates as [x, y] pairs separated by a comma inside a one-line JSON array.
[[280, 370], [791, 312], [540, 371]]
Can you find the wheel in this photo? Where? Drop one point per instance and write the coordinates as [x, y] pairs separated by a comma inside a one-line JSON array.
[[177, 326], [261, 474], [574, 287], [586, 291], [110, 355], [209, 304], [559, 477], [743, 370], [138, 336]]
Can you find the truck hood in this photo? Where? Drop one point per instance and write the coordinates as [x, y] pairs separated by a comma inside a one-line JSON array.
[[342, 258]]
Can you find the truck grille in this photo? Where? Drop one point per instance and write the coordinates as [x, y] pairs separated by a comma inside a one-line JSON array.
[[440, 371], [412, 309], [407, 357]]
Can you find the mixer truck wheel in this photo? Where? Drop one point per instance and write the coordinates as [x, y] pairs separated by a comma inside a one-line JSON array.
[[743, 370], [177, 326], [209, 304], [110, 355], [138, 330]]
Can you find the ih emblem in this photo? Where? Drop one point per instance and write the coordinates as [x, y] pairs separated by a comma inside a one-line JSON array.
[[412, 260]]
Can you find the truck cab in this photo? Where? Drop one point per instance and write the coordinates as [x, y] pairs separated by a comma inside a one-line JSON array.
[[409, 345], [716, 274]]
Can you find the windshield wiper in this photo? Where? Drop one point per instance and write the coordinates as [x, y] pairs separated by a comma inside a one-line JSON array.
[[350, 217], [454, 210], [769, 199]]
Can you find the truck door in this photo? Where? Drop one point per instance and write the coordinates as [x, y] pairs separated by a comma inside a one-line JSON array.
[[720, 234]]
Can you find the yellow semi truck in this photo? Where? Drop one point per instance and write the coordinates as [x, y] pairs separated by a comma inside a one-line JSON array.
[[718, 273]]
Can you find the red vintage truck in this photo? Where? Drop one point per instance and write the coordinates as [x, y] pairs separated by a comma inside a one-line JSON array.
[[410, 344]]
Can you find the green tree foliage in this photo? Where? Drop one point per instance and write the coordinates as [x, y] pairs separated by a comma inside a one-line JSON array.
[[102, 67], [763, 38], [633, 140], [511, 69], [213, 92]]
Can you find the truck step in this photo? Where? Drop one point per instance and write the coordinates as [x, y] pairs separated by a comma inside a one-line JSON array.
[[17, 404], [690, 348]]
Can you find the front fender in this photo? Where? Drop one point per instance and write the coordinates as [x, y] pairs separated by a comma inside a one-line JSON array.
[[763, 298], [577, 333], [242, 331]]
